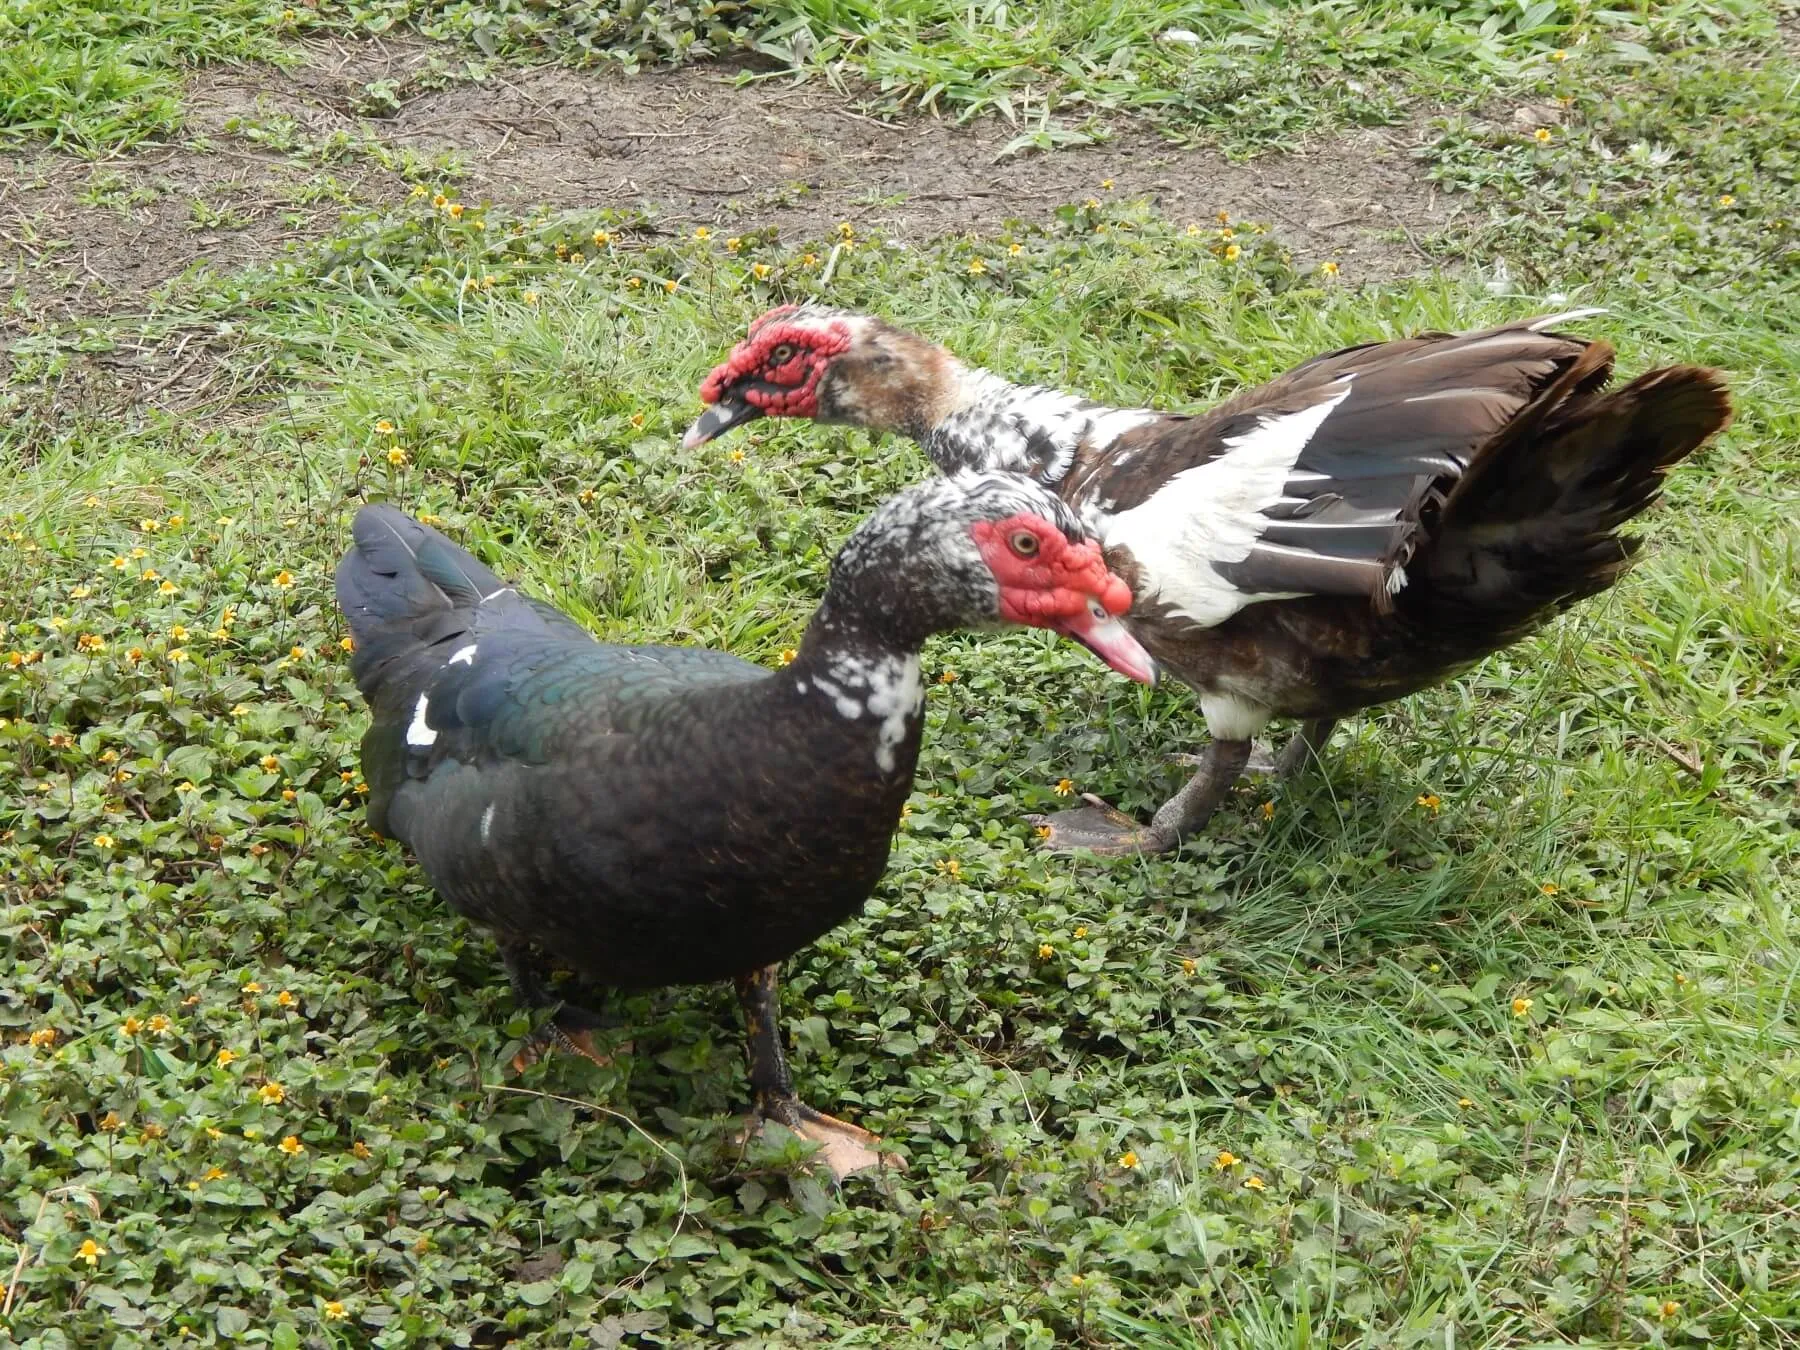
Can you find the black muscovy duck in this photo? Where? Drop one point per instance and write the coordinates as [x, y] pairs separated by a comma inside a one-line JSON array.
[[651, 816], [1374, 521]]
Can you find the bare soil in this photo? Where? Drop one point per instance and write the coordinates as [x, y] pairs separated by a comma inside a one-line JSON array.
[[275, 156]]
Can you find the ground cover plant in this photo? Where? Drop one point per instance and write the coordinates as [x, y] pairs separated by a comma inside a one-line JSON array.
[[1482, 1035]]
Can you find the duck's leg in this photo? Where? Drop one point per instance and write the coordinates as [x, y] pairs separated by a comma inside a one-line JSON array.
[[1111, 833], [843, 1147], [1307, 745], [569, 1029]]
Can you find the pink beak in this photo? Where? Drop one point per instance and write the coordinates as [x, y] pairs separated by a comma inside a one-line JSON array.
[[1106, 636]]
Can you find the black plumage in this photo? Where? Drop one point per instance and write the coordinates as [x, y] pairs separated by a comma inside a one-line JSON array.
[[1370, 523], [664, 815]]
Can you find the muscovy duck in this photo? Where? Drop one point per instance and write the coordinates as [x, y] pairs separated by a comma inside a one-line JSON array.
[[1372, 522], [651, 816]]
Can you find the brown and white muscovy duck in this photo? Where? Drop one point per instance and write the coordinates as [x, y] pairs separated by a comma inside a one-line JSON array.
[[670, 815], [1372, 522]]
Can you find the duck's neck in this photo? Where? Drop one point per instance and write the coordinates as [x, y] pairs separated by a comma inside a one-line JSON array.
[[865, 679], [991, 424]]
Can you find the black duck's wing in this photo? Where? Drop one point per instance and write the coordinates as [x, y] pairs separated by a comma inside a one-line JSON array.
[[1325, 481]]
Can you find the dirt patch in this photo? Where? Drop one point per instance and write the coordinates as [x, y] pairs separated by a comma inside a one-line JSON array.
[[275, 156]]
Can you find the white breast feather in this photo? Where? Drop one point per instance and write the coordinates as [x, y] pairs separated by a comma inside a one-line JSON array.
[[1213, 513], [895, 695]]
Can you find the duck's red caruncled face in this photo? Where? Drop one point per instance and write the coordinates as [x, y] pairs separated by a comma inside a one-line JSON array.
[[777, 368]]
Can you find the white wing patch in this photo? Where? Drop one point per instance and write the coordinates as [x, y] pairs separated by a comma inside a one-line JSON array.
[[419, 733], [462, 656], [1213, 513], [487, 822]]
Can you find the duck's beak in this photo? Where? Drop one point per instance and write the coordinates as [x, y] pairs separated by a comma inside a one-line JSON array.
[[1106, 637], [728, 412]]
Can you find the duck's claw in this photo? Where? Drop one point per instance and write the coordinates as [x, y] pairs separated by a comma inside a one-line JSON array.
[[1100, 829], [570, 1030], [844, 1149]]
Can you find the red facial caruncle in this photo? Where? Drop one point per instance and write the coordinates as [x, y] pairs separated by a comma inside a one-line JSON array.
[[777, 368], [1043, 577]]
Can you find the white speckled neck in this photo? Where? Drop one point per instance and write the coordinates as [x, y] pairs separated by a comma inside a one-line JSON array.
[[996, 425]]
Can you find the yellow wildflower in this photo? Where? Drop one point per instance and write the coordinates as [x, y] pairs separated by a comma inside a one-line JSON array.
[[132, 1026], [1328, 268], [702, 233], [271, 1094], [1548, 888], [291, 1145], [253, 988], [736, 456], [347, 644], [1128, 1160], [224, 520], [1014, 250], [360, 1150], [149, 574], [440, 201], [1429, 801], [1254, 1183], [1668, 1309], [158, 1023], [110, 1121], [809, 260], [81, 592], [334, 1311], [1064, 786], [531, 297], [88, 642], [225, 1057], [284, 578], [1521, 1007], [269, 763], [397, 457], [42, 1037], [950, 867], [1268, 810], [637, 420], [949, 677], [1045, 951], [138, 552], [1728, 201], [787, 656], [1225, 1159], [604, 237], [167, 588], [177, 655], [1465, 1102], [297, 652], [1541, 135], [91, 1252], [733, 244], [1081, 930], [633, 283], [671, 286], [1559, 55], [214, 1174], [760, 271], [239, 710], [149, 526], [285, 999], [845, 231], [119, 564], [1188, 965], [1232, 252], [976, 267], [456, 210]]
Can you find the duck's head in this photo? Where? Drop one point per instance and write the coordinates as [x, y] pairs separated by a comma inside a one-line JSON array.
[[830, 365], [974, 550]]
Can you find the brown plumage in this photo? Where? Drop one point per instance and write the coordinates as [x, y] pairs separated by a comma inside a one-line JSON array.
[[1372, 522]]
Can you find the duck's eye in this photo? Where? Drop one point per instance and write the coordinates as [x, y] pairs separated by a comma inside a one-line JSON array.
[[782, 354], [1024, 543]]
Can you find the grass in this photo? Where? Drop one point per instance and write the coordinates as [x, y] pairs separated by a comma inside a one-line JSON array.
[[1497, 1007]]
